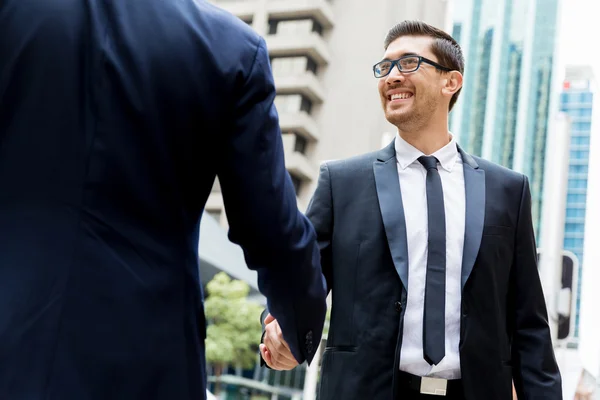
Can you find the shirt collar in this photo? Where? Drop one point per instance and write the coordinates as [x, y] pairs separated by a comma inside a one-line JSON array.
[[406, 154]]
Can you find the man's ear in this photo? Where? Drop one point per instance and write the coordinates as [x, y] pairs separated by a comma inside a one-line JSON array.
[[452, 83]]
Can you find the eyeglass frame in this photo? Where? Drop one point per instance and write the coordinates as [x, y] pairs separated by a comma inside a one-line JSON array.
[[397, 65]]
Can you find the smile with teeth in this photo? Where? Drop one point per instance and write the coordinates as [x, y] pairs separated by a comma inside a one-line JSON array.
[[400, 96]]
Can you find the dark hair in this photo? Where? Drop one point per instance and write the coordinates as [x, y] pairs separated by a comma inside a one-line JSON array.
[[444, 47]]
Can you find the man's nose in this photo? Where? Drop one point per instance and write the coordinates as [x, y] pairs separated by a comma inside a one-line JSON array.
[[395, 76]]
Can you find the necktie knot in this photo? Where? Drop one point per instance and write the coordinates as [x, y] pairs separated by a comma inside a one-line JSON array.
[[429, 162]]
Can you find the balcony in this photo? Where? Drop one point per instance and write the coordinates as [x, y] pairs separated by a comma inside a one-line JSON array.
[[300, 122], [307, 44], [243, 9], [305, 83], [296, 163], [320, 10]]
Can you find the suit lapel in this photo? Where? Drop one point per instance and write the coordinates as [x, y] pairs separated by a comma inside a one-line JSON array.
[[474, 213], [392, 210]]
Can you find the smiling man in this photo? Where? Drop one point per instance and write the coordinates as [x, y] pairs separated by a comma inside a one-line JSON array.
[[428, 252]]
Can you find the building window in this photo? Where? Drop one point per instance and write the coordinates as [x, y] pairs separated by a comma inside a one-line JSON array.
[[301, 143], [586, 97], [574, 228], [318, 28], [311, 65], [306, 105], [564, 99], [577, 183], [580, 154], [573, 243], [580, 141], [578, 97], [575, 212], [297, 183], [293, 65], [582, 112], [292, 103], [272, 27], [576, 198], [294, 26], [578, 169]]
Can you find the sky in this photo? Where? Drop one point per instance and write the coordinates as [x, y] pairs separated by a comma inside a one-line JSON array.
[[579, 32]]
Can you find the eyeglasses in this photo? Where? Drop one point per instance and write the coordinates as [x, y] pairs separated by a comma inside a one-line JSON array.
[[404, 64]]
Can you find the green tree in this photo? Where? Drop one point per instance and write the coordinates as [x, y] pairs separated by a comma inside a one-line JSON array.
[[327, 322], [234, 328]]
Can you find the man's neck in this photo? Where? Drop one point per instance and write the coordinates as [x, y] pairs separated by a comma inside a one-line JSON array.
[[428, 139]]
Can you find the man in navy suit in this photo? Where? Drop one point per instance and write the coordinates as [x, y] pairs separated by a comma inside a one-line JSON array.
[[115, 119]]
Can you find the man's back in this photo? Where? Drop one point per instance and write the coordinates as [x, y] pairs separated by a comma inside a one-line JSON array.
[[114, 117]]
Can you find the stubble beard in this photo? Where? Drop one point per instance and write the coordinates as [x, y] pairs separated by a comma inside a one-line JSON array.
[[414, 119]]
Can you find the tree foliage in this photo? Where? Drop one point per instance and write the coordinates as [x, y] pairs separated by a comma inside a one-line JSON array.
[[234, 328]]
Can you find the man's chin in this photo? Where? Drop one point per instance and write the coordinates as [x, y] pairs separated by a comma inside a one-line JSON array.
[[398, 118]]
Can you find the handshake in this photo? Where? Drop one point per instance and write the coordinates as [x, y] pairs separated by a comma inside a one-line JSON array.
[[274, 349]]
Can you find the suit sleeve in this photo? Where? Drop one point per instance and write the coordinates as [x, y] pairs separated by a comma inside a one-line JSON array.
[[535, 374], [278, 241], [320, 213]]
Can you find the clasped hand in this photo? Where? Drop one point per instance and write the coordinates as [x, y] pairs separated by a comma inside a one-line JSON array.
[[274, 349]]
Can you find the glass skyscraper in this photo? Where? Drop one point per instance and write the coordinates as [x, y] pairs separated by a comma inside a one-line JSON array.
[[576, 101], [503, 112]]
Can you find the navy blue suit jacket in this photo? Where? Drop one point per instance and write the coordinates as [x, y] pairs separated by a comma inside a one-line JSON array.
[[359, 217], [115, 118]]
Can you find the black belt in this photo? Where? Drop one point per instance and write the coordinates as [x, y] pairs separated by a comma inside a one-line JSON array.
[[431, 386]]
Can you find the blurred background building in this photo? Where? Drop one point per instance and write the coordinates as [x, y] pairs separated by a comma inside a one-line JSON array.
[[507, 98], [576, 100], [579, 99]]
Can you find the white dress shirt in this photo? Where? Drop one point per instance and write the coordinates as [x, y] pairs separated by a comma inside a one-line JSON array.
[[414, 198]]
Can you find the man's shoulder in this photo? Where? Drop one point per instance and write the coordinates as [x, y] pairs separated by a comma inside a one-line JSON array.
[[353, 163], [497, 171], [223, 21]]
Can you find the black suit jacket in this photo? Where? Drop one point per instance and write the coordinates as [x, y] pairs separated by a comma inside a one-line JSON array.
[[359, 218], [115, 118]]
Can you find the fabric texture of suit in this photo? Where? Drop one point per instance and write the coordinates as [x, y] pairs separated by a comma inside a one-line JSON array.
[[115, 118], [359, 218]]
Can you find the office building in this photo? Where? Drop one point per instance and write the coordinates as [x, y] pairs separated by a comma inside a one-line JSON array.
[[576, 100], [322, 53], [507, 98]]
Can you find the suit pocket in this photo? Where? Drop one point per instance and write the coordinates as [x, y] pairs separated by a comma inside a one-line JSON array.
[[337, 363]]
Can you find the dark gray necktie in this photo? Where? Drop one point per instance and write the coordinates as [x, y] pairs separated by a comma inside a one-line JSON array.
[[434, 321]]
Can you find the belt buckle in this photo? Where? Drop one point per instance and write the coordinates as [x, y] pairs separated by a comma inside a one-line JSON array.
[[433, 386]]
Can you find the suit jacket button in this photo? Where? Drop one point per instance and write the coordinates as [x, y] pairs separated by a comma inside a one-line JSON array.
[[309, 336], [398, 306]]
